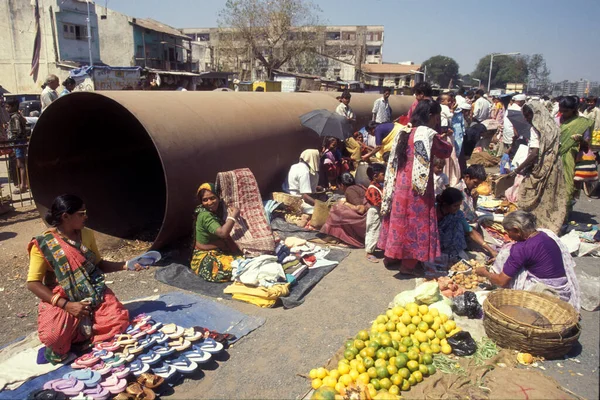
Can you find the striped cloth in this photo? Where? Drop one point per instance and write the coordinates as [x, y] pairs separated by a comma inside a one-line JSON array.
[[586, 167], [251, 232]]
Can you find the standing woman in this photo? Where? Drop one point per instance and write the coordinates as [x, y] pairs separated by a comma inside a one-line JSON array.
[[66, 273], [573, 131], [409, 230]]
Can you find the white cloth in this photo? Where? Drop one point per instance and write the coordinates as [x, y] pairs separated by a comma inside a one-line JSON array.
[[446, 115], [345, 111], [440, 182], [423, 140], [534, 139], [382, 111], [373, 228], [481, 109], [460, 100], [508, 131], [300, 180], [47, 97], [259, 271]]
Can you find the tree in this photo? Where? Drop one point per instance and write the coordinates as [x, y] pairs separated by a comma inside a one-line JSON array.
[[539, 74], [441, 70], [272, 31], [505, 69]]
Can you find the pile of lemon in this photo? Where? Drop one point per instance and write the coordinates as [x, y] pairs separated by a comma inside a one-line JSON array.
[[396, 354]]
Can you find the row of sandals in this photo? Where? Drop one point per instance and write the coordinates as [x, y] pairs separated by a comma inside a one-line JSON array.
[[150, 352]]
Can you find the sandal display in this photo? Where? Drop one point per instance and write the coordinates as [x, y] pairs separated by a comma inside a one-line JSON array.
[[150, 381], [140, 392]]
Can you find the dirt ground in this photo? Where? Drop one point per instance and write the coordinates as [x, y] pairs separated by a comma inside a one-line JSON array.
[[270, 362]]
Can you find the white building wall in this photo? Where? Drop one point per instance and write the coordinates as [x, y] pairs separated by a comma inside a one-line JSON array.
[[116, 38]]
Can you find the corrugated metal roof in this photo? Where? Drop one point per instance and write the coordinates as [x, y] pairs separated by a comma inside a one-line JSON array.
[[153, 25], [389, 68]]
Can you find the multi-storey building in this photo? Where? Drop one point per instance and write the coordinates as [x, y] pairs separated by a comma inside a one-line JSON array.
[[581, 88], [338, 54]]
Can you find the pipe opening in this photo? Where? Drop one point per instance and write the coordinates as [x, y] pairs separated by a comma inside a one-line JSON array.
[[91, 146]]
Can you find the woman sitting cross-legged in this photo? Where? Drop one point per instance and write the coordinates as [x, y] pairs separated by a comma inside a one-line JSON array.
[[214, 250], [66, 273], [454, 228], [537, 262]]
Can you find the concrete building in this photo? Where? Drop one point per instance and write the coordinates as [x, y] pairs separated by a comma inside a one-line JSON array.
[[581, 88], [339, 52], [390, 75], [129, 41], [64, 41]]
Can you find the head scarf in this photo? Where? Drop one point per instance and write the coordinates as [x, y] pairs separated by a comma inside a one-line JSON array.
[[206, 186], [311, 157]]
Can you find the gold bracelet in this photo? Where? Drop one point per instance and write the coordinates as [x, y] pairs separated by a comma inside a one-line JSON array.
[[54, 299]]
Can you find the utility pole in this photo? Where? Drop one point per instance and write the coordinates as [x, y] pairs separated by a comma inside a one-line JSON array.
[[89, 33]]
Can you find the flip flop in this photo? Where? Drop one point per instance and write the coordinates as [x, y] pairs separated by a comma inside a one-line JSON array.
[[87, 376], [143, 318], [182, 365], [148, 341], [149, 357], [210, 345], [222, 338], [102, 368], [124, 339], [163, 351], [150, 381], [121, 372], [132, 349], [88, 359], [172, 331], [108, 346], [70, 387], [180, 344], [164, 370], [103, 354], [197, 355], [372, 258], [82, 396], [137, 367], [114, 385], [192, 334], [160, 337], [124, 396], [132, 330], [140, 392], [48, 385], [118, 360], [97, 393]]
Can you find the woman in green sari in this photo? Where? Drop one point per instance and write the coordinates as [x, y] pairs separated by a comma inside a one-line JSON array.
[[214, 250], [573, 131]]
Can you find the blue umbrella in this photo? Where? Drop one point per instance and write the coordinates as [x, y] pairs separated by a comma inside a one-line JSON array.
[[326, 123]]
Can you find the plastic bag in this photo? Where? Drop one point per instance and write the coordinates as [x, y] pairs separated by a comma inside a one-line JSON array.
[[428, 293], [403, 298], [443, 306], [590, 291], [467, 305], [462, 344]]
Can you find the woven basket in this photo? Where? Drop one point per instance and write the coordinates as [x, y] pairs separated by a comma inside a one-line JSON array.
[[292, 202], [551, 341]]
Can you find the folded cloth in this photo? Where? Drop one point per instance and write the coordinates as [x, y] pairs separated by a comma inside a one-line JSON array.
[[309, 260], [299, 272], [294, 242], [260, 296], [260, 271], [290, 264], [289, 259], [283, 254]]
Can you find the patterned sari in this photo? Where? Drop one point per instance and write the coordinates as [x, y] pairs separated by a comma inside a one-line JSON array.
[[569, 149], [76, 278]]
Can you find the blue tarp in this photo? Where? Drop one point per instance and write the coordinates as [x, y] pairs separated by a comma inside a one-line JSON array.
[[176, 307]]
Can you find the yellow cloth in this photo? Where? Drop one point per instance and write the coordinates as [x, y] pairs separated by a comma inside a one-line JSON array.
[[353, 148], [38, 266], [312, 158], [388, 141], [259, 296]]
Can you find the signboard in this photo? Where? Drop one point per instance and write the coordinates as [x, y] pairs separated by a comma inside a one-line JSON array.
[[105, 78], [288, 83]]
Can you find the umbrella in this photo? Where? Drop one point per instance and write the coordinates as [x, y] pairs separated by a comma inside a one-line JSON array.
[[521, 127], [326, 123]]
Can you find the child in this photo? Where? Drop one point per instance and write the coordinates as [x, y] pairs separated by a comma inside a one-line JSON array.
[[505, 162], [16, 133], [376, 174], [440, 179]]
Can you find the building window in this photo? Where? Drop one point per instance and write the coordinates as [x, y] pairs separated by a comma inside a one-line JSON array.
[[337, 71], [397, 81], [348, 35], [203, 37], [373, 36], [139, 53], [76, 32], [332, 36], [377, 51]]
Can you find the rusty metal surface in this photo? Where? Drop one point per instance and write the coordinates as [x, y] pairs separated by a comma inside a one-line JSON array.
[[136, 158]]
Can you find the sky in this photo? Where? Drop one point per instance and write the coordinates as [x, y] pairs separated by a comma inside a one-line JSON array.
[[415, 30]]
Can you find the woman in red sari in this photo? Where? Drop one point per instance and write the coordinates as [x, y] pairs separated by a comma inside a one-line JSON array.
[[66, 273], [409, 225]]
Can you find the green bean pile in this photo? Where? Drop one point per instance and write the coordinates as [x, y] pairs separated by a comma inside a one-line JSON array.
[[447, 365], [486, 349]]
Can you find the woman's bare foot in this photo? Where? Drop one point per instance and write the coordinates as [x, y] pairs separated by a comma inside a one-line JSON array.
[[372, 258]]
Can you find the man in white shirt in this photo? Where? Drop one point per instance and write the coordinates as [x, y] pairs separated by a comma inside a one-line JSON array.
[[344, 107], [481, 108], [49, 93], [508, 131], [382, 112]]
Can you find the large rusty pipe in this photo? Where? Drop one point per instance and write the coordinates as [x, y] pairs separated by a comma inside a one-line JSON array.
[[136, 158]]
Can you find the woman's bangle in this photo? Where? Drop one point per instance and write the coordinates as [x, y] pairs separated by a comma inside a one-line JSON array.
[[55, 299], [231, 218], [65, 303]]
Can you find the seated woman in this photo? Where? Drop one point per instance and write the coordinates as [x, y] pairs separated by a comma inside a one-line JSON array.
[[66, 273], [347, 219], [303, 178], [214, 250], [472, 177], [332, 163], [453, 227], [537, 262]]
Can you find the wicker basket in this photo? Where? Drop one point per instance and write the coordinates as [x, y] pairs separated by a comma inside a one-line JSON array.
[[551, 341], [292, 202]]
